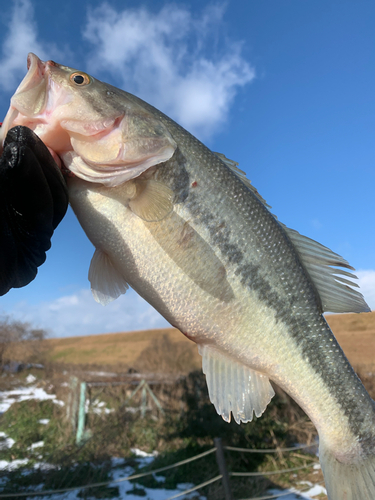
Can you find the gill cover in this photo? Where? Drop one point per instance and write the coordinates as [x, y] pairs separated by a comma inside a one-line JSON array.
[[131, 145]]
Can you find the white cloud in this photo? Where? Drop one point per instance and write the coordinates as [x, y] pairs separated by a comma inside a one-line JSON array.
[[79, 314], [366, 281], [173, 60], [180, 62], [20, 39]]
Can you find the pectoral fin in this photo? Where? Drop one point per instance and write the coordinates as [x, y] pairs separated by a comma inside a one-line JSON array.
[[153, 200], [106, 282], [234, 387]]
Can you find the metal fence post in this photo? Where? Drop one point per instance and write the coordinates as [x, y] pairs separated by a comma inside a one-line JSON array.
[[220, 458], [81, 414]]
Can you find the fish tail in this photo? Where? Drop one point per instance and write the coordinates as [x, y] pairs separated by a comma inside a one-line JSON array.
[[347, 481]]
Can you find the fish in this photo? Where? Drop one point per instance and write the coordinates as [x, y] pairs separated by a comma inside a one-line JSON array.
[[185, 228]]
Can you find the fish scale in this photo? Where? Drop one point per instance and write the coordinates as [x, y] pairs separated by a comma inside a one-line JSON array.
[[184, 227]]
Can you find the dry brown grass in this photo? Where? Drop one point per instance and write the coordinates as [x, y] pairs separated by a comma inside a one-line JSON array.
[[167, 350], [356, 335], [159, 351]]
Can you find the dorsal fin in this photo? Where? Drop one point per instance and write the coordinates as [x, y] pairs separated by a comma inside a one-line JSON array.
[[106, 282], [233, 387], [334, 289], [233, 165]]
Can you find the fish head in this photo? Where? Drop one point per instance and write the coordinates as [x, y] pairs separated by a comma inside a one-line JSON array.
[[96, 131]]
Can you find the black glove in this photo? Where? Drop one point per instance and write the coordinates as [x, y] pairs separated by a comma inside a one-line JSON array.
[[33, 201]]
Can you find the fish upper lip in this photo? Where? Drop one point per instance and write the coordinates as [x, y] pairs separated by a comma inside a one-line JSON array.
[[34, 66], [38, 72], [33, 61]]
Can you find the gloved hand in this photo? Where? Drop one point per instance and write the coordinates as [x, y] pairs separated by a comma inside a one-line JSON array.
[[33, 201]]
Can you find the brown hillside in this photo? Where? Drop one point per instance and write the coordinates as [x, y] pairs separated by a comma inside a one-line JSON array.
[[356, 335], [168, 349], [161, 350]]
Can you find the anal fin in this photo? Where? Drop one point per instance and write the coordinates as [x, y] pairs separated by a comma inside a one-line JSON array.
[[234, 387]]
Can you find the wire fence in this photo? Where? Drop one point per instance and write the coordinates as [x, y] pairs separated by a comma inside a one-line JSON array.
[[270, 450], [223, 476]]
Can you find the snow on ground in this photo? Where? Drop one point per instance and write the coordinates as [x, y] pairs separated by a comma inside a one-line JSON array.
[[30, 379], [6, 442], [294, 494], [13, 465], [7, 398], [120, 469], [38, 444], [97, 407], [125, 488], [147, 457]]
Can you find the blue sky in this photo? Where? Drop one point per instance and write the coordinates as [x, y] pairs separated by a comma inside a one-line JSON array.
[[284, 88]]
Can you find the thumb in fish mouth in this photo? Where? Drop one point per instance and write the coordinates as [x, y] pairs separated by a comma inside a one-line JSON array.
[[33, 201]]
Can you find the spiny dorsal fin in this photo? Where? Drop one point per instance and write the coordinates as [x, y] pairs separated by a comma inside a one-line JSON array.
[[106, 282], [152, 201], [233, 387], [233, 165], [334, 290]]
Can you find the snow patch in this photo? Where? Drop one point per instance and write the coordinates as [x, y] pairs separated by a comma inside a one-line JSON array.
[[97, 407], [13, 465], [140, 453], [7, 398], [7, 441], [38, 444], [296, 494]]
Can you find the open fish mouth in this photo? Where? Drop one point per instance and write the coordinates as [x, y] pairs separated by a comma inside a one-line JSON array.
[[33, 103], [29, 97]]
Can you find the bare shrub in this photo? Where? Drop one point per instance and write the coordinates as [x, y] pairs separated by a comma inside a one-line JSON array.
[[19, 341], [164, 356]]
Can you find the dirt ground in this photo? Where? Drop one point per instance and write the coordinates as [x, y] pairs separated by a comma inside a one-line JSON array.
[[355, 333]]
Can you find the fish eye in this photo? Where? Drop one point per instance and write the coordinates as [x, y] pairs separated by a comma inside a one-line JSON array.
[[80, 78]]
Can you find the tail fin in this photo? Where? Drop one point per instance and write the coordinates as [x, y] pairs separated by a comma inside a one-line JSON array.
[[347, 481]]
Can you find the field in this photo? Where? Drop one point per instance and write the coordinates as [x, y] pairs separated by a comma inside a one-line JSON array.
[[356, 335], [169, 350], [127, 350], [115, 426]]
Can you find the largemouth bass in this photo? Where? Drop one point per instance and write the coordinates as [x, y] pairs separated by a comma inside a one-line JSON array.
[[184, 228]]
